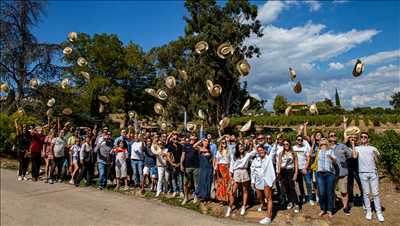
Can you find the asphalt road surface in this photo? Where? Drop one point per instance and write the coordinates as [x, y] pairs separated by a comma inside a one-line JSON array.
[[36, 203]]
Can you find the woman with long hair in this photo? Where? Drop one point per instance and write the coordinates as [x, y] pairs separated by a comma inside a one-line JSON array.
[[48, 155], [239, 170], [205, 169], [287, 168], [22, 144], [221, 168], [75, 150]]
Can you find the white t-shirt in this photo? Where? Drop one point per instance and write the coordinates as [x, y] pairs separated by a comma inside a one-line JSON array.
[[366, 161], [137, 150], [223, 159], [59, 146], [302, 153]]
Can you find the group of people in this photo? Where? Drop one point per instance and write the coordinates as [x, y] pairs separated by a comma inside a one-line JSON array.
[[235, 171]]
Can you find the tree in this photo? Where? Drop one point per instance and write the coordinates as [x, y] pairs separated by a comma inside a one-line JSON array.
[[395, 101], [280, 104], [22, 57], [208, 21], [337, 99], [325, 106]]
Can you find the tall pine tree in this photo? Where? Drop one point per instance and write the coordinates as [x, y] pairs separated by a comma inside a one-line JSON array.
[[337, 99]]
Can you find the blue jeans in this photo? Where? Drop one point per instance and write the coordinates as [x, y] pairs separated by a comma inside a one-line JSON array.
[[103, 168], [308, 180], [137, 170], [325, 184], [177, 180]]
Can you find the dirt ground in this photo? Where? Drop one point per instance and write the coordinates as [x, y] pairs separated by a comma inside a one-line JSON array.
[[308, 215]]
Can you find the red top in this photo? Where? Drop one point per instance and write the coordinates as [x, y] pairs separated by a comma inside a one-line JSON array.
[[37, 142], [118, 149]]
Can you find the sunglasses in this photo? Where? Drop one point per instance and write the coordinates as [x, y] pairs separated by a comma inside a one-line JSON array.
[[299, 139], [332, 135], [366, 137], [286, 144]]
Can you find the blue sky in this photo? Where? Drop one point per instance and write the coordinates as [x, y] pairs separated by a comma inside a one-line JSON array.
[[320, 40]]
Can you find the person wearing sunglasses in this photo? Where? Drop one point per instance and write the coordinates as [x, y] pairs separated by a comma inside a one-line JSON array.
[[287, 168], [302, 150], [367, 158], [342, 153], [325, 177]]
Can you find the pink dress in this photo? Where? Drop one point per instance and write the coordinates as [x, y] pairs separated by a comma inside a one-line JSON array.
[[48, 152]]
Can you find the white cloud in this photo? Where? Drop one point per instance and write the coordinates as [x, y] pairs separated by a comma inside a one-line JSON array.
[[378, 58], [270, 11], [335, 66], [314, 5]]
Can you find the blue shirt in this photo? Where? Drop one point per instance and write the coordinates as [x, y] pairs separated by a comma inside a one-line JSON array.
[[325, 163], [214, 149]]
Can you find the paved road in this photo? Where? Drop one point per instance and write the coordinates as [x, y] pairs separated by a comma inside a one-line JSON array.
[[30, 203]]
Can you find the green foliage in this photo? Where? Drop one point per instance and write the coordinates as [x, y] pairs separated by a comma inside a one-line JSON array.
[[280, 104], [337, 99], [325, 106], [395, 101]]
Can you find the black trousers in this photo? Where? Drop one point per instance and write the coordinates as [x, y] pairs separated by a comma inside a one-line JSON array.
[[23, 163], [289, 185], [36, 159], [87, 172], [353, 175], [59, 161]]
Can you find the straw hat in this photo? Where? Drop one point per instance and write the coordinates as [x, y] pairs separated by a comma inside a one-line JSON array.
[[313, 109], [72, 36], [288, 110], [51, 102], [5, 88], [132, 114], [225, 50], [292, 74], [101, 108], [201, 114], [216, 90], [170, 82], [243, 67], [163, 125], [246, 106], [224, 123], [351, 130], [20, 111], [67, 50], [158, 108], [156, 149], [191, 127], [210, 85], [49, 112], [246, 126], [297, 88], [150, 91], [104, 99], [201, 47], [65, 83], [67, 111], [34, 83], [183, 74], [162, 95], [85, 75], [82, 61], [358, 68]]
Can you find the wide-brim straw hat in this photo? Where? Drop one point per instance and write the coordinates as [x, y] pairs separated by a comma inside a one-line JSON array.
[[224, 123], [358, 68], [5, 88], [65, 83], [82, 61], [201, 47], [243, 67], [170, 82], [191, 127], [150, 91], [225, 50], [85, 74], [158, 108], [67, 50], [351, 130], [209, 85], [292, 74], [34, 83], [246, 106], [67, 111], [246, 127], [156, 149], [313, 108], [20, 111], [183, 74], [162, 95], [216, 90], [51, 102], [72, 36], [104, 99], [163, 125], [201, 114], [297, 88], [132, 114]]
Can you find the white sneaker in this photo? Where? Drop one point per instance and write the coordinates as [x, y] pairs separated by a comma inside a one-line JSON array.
[[289, 206], [228, 212], [19, 178], [71, 181], [195, 200], [184, 202], [380, 217], [24, 178], [311, 202], [296, 209], [368, 215], [242, 210], [259, 208], [173, 194], [158, 193], [265, 220], [181, 195]]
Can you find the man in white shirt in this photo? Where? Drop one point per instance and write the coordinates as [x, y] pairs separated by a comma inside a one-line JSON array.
[[137, 159], [367, 158], [302, 150]]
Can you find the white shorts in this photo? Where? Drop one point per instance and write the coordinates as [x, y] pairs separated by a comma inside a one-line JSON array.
[[146, 170]]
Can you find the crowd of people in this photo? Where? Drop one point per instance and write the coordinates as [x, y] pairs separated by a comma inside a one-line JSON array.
[[236, 171]]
